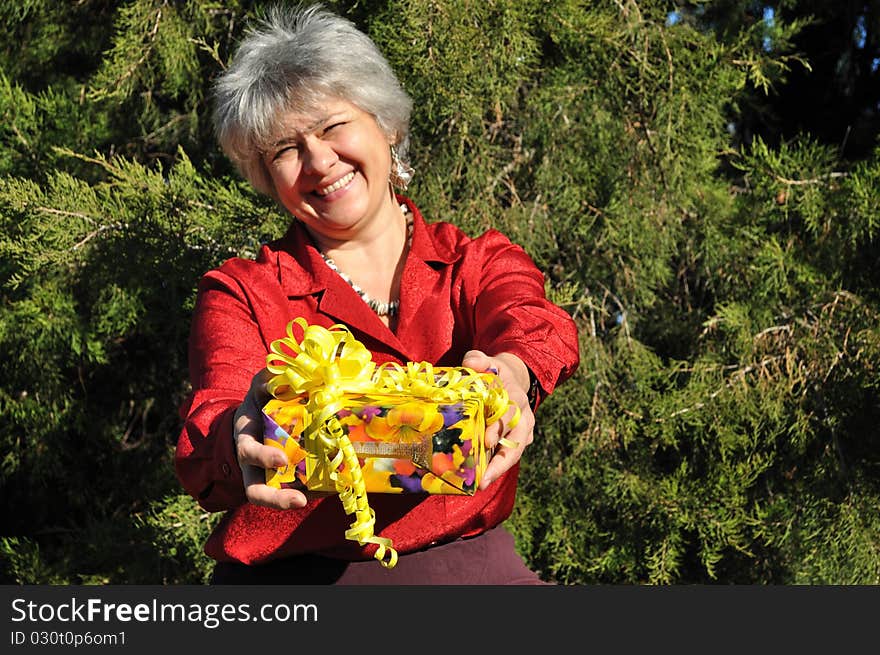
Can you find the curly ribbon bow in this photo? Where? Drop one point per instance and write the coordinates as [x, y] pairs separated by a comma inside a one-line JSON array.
[[325, 365]]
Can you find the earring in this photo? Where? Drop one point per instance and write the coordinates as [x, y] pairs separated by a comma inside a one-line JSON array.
[[401, 174]]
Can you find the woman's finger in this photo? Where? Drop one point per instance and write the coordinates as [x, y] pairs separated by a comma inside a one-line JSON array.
[[259, 493], [507, 452], [253, 453], [254, 459], [503, 459], [477, 360]]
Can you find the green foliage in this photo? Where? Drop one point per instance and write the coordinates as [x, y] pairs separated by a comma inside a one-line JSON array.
[[721, 427], [22, 563], [98, 282], [177, 530]]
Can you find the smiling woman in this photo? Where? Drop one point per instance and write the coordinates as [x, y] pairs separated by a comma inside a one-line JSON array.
[[334, 178], [293, 61], [312, 115]]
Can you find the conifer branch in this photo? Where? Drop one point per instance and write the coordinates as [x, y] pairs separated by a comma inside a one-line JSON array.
[[94, 233], [62, 212], [625, 10], [815, 180], [91, 219], [137, 414], [20, 136], [518, 158], [170, 123], [737, 376], [151, 40], [150, 43], [99, 160], [213, 50]]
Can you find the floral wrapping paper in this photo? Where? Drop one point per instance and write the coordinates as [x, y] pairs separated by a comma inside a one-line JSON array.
[[403, 444]]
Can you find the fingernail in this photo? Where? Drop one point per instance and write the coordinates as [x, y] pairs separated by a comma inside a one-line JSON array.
[[492, 369]]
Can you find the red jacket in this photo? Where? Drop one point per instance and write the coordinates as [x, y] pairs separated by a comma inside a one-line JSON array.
[[456, 294]]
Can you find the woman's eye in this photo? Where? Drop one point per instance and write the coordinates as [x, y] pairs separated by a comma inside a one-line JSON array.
[[333, 126], [286, 151]]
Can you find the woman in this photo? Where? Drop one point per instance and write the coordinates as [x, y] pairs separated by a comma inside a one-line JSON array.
[[311, 113]]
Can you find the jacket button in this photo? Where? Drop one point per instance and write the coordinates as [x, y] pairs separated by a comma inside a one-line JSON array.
[[226, 470]]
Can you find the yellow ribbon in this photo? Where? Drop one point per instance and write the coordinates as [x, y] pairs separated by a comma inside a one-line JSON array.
[[328, 363]]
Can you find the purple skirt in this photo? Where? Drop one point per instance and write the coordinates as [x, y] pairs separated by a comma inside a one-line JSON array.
[[486, 559]]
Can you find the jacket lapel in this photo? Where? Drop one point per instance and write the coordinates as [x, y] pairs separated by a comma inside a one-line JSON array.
[[424, 327], [304, 273], [426, 319]]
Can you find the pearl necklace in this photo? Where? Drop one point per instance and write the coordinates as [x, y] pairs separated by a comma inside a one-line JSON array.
[[381, 308]]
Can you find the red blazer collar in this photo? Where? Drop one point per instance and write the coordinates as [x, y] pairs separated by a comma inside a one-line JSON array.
[[303, 273], [424, 247]]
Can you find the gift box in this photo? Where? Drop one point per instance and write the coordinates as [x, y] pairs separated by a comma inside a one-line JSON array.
[[349, 426], [404, 444]]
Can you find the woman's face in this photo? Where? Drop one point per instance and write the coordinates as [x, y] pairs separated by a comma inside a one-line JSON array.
[[330, 168]]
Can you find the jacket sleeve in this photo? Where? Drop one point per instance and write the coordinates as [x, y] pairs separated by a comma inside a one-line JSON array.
[[512, 313], [225, 352]]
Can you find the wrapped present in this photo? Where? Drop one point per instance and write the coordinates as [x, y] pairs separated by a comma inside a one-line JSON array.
[[404, 444], [351, 427]]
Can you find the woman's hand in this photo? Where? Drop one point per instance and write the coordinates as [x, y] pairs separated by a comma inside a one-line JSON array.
[[254, 456], [515, 378]]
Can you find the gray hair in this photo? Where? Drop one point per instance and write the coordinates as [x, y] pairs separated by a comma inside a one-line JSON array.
[[290, 60]]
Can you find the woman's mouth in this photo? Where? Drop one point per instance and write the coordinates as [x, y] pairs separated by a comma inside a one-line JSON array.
[[338, 184]]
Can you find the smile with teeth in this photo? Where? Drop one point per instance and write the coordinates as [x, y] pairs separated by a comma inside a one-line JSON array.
[[338, 184]]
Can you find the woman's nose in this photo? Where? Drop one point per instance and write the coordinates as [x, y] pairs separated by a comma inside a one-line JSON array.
[[318, 156]]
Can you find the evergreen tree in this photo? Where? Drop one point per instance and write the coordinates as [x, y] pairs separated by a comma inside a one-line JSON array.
[[716, 247]]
